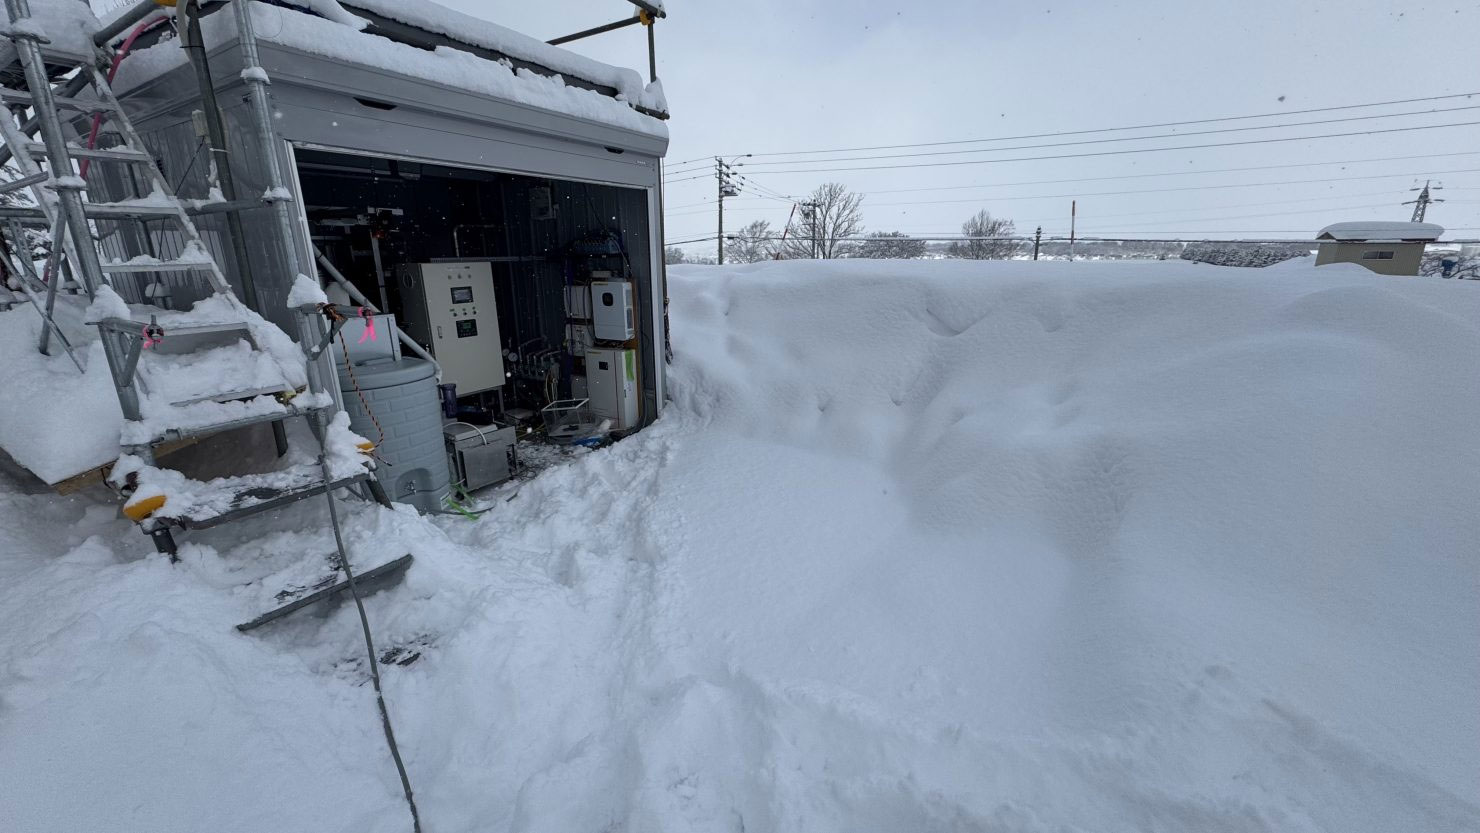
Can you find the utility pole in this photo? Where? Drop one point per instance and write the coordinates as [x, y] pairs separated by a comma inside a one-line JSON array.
[[1073, 215], [726, 186], [809, 212], [1037, 238], [1421, 205]]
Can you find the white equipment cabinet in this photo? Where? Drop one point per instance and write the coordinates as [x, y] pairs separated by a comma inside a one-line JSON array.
[[450, 308], [611, 385], [612, 317]]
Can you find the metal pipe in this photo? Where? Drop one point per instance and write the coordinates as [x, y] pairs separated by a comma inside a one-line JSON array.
[[54, 279], [586, 33], [456, 247], [359, 297], [143, 9], [385, 301], [320, 372], [652, 55], [195, 48]]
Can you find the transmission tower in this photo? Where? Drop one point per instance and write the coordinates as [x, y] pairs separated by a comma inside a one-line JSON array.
[[1421, 205]]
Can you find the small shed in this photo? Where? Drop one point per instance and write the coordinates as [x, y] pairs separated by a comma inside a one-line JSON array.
[[1384, 246], [415, 135]]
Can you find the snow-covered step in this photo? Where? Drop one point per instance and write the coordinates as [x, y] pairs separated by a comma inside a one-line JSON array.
[[38, 150], [203, 418], [161, 498], [149, 264], [235, 395], [193, 257], [201, 505], [23, 98]]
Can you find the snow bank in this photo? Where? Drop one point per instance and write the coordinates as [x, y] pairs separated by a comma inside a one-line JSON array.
[[53, 420], [450, 67], [919, 546]]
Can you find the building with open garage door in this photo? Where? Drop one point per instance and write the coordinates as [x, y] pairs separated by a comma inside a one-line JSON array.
[[494, 195]]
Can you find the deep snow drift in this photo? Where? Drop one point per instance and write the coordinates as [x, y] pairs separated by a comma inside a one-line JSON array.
[[918, 546]]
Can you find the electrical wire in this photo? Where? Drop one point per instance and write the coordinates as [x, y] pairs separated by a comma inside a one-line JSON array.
[[354, 590], [1081, 195], [1116, 129], [1126, 151], [1115, 139], [1183, 173]]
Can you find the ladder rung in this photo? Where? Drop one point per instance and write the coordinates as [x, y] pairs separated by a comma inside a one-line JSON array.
[[124, 210], [24, 182], [38, 150], [10, 96], [128, 267]]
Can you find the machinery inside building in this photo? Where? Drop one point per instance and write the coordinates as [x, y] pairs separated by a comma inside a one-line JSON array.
[[528, 292]]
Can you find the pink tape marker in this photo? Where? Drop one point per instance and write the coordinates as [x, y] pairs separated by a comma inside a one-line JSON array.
[[369, 326]]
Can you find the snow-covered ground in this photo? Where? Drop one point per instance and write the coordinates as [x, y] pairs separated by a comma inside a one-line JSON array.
[[918, 546]]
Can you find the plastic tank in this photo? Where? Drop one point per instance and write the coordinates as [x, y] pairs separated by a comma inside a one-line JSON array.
[[402, 394]]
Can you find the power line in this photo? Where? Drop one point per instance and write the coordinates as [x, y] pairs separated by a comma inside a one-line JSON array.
[[1265, 141], [1244, 169], [1091, 217], [1078, 194], [674, 212], [1181, 173], [1099, 237], [1115, 129], [1116, 139]]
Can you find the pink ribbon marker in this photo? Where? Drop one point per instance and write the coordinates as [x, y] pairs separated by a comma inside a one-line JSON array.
[[149, 338], [369, 332]]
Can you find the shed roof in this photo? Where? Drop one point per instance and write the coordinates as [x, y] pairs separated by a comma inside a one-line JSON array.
[[618, 97], [1381, 230]]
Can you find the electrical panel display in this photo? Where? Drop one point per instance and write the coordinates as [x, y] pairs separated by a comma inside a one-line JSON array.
[[612, 315], [449, 307]]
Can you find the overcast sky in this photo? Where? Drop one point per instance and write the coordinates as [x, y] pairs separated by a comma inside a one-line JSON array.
[[766, 76]]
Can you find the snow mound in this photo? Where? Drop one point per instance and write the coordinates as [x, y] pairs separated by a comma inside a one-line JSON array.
[[918, 546]]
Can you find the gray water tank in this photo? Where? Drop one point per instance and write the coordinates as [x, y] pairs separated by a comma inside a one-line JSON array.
[[403, 396]]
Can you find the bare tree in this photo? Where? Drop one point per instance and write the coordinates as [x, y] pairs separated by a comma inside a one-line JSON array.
[[672, 255], [983, 225], [823, 223], [890, 245], [750, 244]]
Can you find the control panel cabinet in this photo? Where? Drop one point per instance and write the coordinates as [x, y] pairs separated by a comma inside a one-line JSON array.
[[450, 308]]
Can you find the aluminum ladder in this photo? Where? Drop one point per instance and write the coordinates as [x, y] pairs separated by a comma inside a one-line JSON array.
[[168, 341]]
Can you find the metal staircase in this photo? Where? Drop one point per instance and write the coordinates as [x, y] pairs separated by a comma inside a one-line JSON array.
[[180, 375]]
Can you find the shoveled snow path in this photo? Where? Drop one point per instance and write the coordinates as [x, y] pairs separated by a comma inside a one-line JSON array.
[[919, 546]]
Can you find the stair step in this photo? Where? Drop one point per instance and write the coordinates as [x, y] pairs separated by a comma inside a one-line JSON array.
[[205, 505], [38, 150], [283, 412], [366, 582], [236, 395], [9, 96]]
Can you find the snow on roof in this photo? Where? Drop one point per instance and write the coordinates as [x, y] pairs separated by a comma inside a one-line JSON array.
[[443, 65], [462, 27], [1383, 230], [69, 25]]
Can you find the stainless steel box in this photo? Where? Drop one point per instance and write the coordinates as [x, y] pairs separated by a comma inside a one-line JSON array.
[[480, 454]]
